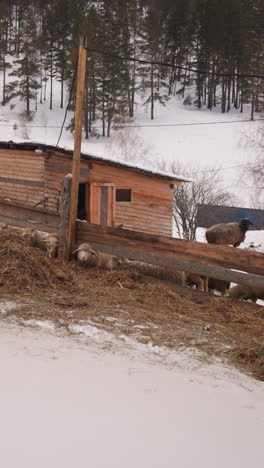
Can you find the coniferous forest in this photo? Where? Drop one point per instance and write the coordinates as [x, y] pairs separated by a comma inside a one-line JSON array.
[[39, 44]]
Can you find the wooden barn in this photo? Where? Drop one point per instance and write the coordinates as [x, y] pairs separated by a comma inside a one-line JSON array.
[[110, 193]]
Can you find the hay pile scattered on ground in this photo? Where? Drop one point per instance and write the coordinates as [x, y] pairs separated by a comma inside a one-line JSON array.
[[250, 357], [25, 268]]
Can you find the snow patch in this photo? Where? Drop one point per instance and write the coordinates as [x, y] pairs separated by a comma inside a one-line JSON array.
[[7, 306], [91, 332], [45, 324]]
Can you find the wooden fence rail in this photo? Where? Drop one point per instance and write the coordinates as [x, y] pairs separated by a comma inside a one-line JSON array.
[[221, 262], [20, 216]]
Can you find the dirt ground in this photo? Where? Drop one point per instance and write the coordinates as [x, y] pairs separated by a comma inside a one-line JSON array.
[[125, 302]]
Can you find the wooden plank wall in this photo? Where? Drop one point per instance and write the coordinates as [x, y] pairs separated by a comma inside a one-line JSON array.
[[216, 261], [150, 210], [56, 168], [15, 215], [22, 176]]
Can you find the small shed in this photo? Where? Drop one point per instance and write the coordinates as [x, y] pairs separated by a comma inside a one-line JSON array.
[[111, 193]]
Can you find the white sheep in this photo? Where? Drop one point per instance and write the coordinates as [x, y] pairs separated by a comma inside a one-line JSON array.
[[229, 233], [43, 240], [88, 256], [201, 282], [3, 226], [246, 292]]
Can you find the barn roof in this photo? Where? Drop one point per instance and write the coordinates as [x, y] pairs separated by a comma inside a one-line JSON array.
[[33, 146]]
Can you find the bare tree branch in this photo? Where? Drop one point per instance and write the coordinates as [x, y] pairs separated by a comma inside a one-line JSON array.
[[207, 189], [255, 172]]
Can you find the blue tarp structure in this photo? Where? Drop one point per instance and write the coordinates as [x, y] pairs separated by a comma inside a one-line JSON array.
[[213, 214]]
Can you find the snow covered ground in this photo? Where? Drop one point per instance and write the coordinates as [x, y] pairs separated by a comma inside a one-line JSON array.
[[73, 402]]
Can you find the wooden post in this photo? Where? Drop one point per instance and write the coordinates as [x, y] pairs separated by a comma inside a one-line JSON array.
[[77, 147], [65, 216]]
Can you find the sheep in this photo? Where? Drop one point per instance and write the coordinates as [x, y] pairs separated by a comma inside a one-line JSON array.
[[229, 233], [154, 271], [3, 226], [106, 261], [246, 292], [179, 277], [85, 254], [218, 285], [88, 256], [51, 243], [43, 240], [201, 282]]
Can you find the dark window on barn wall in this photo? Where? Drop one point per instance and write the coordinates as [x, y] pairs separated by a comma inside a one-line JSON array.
[[123, 195]]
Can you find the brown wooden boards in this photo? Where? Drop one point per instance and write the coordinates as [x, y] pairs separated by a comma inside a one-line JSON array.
[[195, 257], [102, 207], [150, 208]]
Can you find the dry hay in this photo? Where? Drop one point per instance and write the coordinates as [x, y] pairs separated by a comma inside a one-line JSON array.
[[251, 358], [25, 268]]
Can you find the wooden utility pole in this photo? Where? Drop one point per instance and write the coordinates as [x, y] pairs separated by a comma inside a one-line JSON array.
[[77, 146], [64, 218]]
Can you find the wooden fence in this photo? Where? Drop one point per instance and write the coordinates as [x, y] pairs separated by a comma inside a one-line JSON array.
[[221, 262], [15, 214]]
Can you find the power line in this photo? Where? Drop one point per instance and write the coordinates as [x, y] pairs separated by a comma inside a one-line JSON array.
[[227, 167], [30, 126], [171, 65], [220, 169], [191, 124]]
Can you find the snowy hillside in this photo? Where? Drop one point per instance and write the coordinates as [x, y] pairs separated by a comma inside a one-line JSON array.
[[201, 138]]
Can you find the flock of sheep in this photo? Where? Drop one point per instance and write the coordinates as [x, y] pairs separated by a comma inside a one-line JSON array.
[[228, 233]]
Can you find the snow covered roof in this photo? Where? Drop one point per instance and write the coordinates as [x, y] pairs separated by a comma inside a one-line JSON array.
[[33, 146]]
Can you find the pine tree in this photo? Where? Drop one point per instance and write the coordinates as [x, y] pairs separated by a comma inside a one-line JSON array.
[[49, 46], [63, 12], [26, 67], [4, 63], [151, 50]]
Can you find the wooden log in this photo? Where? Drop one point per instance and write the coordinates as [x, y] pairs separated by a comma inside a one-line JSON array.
[[193, 257], [65, 215]]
